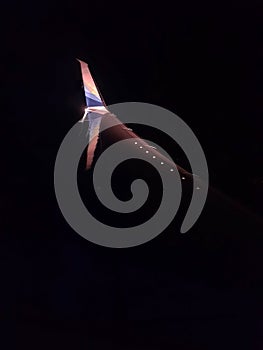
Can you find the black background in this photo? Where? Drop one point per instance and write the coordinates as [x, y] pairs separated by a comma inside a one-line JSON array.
[[203, 61]]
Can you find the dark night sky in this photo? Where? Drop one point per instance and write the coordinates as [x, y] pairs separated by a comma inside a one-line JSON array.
[[203, 61]]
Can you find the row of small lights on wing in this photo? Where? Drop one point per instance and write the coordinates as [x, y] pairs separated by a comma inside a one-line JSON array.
[[162, 163]]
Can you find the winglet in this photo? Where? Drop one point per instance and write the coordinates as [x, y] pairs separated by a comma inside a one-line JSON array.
[[93, 97]]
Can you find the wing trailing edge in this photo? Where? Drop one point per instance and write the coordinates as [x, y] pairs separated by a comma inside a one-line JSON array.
[[95, 109]]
